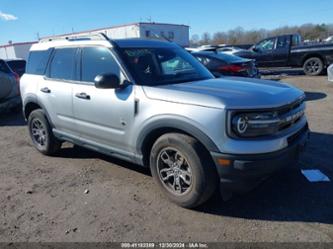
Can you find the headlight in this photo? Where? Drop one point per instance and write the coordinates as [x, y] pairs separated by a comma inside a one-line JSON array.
[[254, 124]]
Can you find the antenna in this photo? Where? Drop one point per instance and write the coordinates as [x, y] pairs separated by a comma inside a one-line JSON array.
[[115, 45]]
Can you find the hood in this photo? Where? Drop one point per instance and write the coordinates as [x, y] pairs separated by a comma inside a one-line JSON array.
[[227, 92]]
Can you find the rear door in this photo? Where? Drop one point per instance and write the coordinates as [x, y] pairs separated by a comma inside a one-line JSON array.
[[55, 91], [281, 52], [103, 116]]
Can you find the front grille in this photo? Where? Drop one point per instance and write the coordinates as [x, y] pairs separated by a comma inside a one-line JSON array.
[[291, 114]]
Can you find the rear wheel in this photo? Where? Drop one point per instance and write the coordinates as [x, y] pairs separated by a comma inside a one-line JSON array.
[[313, 66], [41, 133], [182, 168]]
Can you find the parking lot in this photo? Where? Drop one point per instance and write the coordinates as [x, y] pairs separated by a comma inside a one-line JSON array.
[[81, 195]]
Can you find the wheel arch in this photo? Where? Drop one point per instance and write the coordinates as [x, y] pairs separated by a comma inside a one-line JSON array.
[[314, 55], [153, 131], [30, 104]]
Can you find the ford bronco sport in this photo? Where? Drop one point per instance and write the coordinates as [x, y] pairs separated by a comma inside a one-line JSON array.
[[152, 103]]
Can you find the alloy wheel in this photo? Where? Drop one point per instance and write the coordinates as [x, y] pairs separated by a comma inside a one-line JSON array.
[[174, 171], [38, 133]]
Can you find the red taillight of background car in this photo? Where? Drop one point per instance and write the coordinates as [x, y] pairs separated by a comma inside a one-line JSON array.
[[232, 68]]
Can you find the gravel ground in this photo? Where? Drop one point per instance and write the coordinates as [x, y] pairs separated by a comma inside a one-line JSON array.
[[85, 196]]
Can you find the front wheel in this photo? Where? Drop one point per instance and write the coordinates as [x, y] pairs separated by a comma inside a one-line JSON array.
[[313, 66], [183, 169], [41, 133]]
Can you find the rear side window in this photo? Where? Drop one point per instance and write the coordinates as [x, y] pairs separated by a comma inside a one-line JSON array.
[[18, 66], [97, 60], [282, 42], [38, 61], [62, 65]]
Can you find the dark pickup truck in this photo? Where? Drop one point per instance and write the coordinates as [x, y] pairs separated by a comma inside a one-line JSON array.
[[288, 51]]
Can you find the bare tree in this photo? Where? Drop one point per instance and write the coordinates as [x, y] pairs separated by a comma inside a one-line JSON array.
[[239, 36]]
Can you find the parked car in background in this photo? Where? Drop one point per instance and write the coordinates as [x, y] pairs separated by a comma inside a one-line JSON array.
[[220, 64], [17, 66], [9, 88], [329, 39], [330, 73], [229, 50], [289, 51], [215, 48]]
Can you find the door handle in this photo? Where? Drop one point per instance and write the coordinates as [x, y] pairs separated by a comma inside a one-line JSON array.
[[45, 90], [82, 96]]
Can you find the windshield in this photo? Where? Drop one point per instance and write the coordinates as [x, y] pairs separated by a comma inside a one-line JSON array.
[[158, 66]]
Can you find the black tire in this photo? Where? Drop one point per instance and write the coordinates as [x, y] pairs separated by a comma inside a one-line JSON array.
[[313, 66], [197, 162], [45, 142]]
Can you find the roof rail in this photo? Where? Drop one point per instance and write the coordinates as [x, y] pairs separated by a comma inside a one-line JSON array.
[[95, 36]]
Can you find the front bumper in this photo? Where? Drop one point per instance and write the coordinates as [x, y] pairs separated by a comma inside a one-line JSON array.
[[244, 172], [10, 103]]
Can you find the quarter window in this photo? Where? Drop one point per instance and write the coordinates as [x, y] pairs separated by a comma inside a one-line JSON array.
[[37, 62], [62, 66], [282, 42], [97, 60]]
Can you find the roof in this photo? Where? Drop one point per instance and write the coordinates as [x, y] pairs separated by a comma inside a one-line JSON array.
[[116, 26], [18, 44]]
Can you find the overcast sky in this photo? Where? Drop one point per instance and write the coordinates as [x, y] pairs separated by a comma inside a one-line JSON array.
[[21, 20]]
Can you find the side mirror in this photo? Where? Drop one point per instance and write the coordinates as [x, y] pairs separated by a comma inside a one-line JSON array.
[[107, 81]]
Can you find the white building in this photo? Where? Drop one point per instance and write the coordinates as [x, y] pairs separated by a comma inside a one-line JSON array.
[[15, 50], [175, 32]]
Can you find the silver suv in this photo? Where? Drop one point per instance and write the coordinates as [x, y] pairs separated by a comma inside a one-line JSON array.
[[152, 103]]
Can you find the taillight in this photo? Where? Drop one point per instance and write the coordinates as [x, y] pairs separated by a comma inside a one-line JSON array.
[[232, 68], [17, 79]]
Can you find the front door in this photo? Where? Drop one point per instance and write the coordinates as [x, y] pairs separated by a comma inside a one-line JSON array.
[[264, 52], [102, 115]]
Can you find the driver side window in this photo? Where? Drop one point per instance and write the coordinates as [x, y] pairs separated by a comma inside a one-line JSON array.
[[266, 45], [96, 61]]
